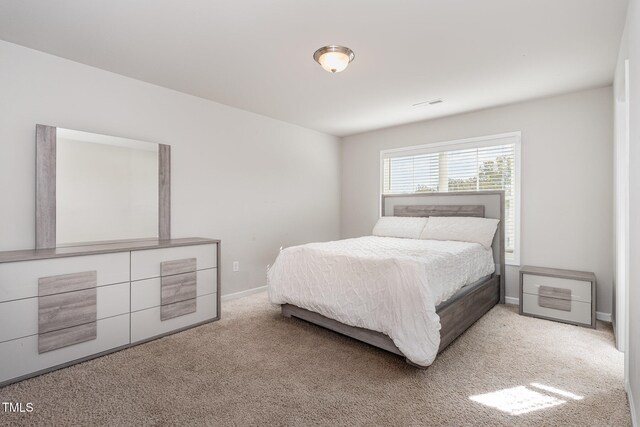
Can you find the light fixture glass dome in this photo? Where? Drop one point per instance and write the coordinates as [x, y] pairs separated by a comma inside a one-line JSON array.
[[334, 58]]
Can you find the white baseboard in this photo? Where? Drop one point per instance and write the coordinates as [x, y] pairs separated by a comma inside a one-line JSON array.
[[511, 300], [241, 294], [632, 407], [605, 317]]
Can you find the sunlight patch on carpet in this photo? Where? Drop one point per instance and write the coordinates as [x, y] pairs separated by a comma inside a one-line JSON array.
[[517, 400], [557, 391]]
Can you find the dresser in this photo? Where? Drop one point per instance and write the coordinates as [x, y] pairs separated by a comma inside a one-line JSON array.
[[66, 305], [567, 296]]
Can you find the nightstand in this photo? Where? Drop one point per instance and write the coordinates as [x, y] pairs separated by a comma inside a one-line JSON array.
[[561, 295]]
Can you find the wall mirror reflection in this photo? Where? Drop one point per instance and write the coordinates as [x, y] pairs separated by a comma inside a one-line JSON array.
[[106, 188], [98, 188]]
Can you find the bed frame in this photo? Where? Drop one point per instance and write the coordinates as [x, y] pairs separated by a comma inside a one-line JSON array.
[[465, 307]]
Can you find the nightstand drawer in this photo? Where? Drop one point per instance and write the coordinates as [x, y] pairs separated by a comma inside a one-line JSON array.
[[578, 311], [577, 290]]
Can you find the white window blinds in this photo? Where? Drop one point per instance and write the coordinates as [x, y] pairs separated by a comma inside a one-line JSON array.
[[487, 163]]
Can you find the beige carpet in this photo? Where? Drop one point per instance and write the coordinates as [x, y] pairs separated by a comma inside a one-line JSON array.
[[256, 368]]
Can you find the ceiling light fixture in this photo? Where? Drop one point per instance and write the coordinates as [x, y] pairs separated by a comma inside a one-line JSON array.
[[334, 58]]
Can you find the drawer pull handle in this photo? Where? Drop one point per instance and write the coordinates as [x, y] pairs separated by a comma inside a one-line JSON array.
[[178, 266], [554, 298], [67, 283], [178, 309], [67, 310], [178, 288], [554, 303], [178, 295], [66, 337], [552, 292]]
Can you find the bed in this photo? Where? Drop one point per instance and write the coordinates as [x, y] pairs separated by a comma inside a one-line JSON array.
[[412, 298]]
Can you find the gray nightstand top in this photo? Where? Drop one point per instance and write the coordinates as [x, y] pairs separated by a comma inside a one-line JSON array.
[[556, 272]]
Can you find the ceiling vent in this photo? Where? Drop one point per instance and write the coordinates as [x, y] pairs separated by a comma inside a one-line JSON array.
[[431, 102]]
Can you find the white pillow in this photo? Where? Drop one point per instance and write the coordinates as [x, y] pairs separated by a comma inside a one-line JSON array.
[[461, 228], [399, 226]]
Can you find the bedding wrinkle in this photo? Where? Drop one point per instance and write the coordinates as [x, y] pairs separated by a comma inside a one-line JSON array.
[[390, 285]]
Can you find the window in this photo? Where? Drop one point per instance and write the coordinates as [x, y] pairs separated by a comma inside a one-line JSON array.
[[475, 164]]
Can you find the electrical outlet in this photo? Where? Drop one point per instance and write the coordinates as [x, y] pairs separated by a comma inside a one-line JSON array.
[[236, 266]]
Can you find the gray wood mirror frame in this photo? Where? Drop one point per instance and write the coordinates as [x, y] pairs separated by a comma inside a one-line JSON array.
[[46, 185]]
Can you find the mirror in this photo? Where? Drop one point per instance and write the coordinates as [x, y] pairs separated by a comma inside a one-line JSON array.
[[96, 188], [106, 188]]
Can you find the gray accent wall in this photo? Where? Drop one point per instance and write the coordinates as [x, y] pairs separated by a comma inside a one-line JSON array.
[[567, 155], [254, 182]]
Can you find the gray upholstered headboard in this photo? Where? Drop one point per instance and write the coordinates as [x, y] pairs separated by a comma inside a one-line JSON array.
[[485, 204]]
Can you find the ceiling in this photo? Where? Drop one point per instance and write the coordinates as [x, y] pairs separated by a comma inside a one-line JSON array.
[[257, 55]]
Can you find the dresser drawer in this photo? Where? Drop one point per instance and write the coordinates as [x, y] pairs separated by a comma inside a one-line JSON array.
[[147, 324], [147, 263], [576, 289], [146, 293], [578, 311], [20, 356], [19, 318], [20, 279]]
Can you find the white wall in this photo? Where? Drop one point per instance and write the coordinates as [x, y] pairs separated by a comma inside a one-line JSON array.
[[566, 178], [630, 49], [254, 182]]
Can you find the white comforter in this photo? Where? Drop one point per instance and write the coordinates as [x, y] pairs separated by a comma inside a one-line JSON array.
[[384, 284]]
